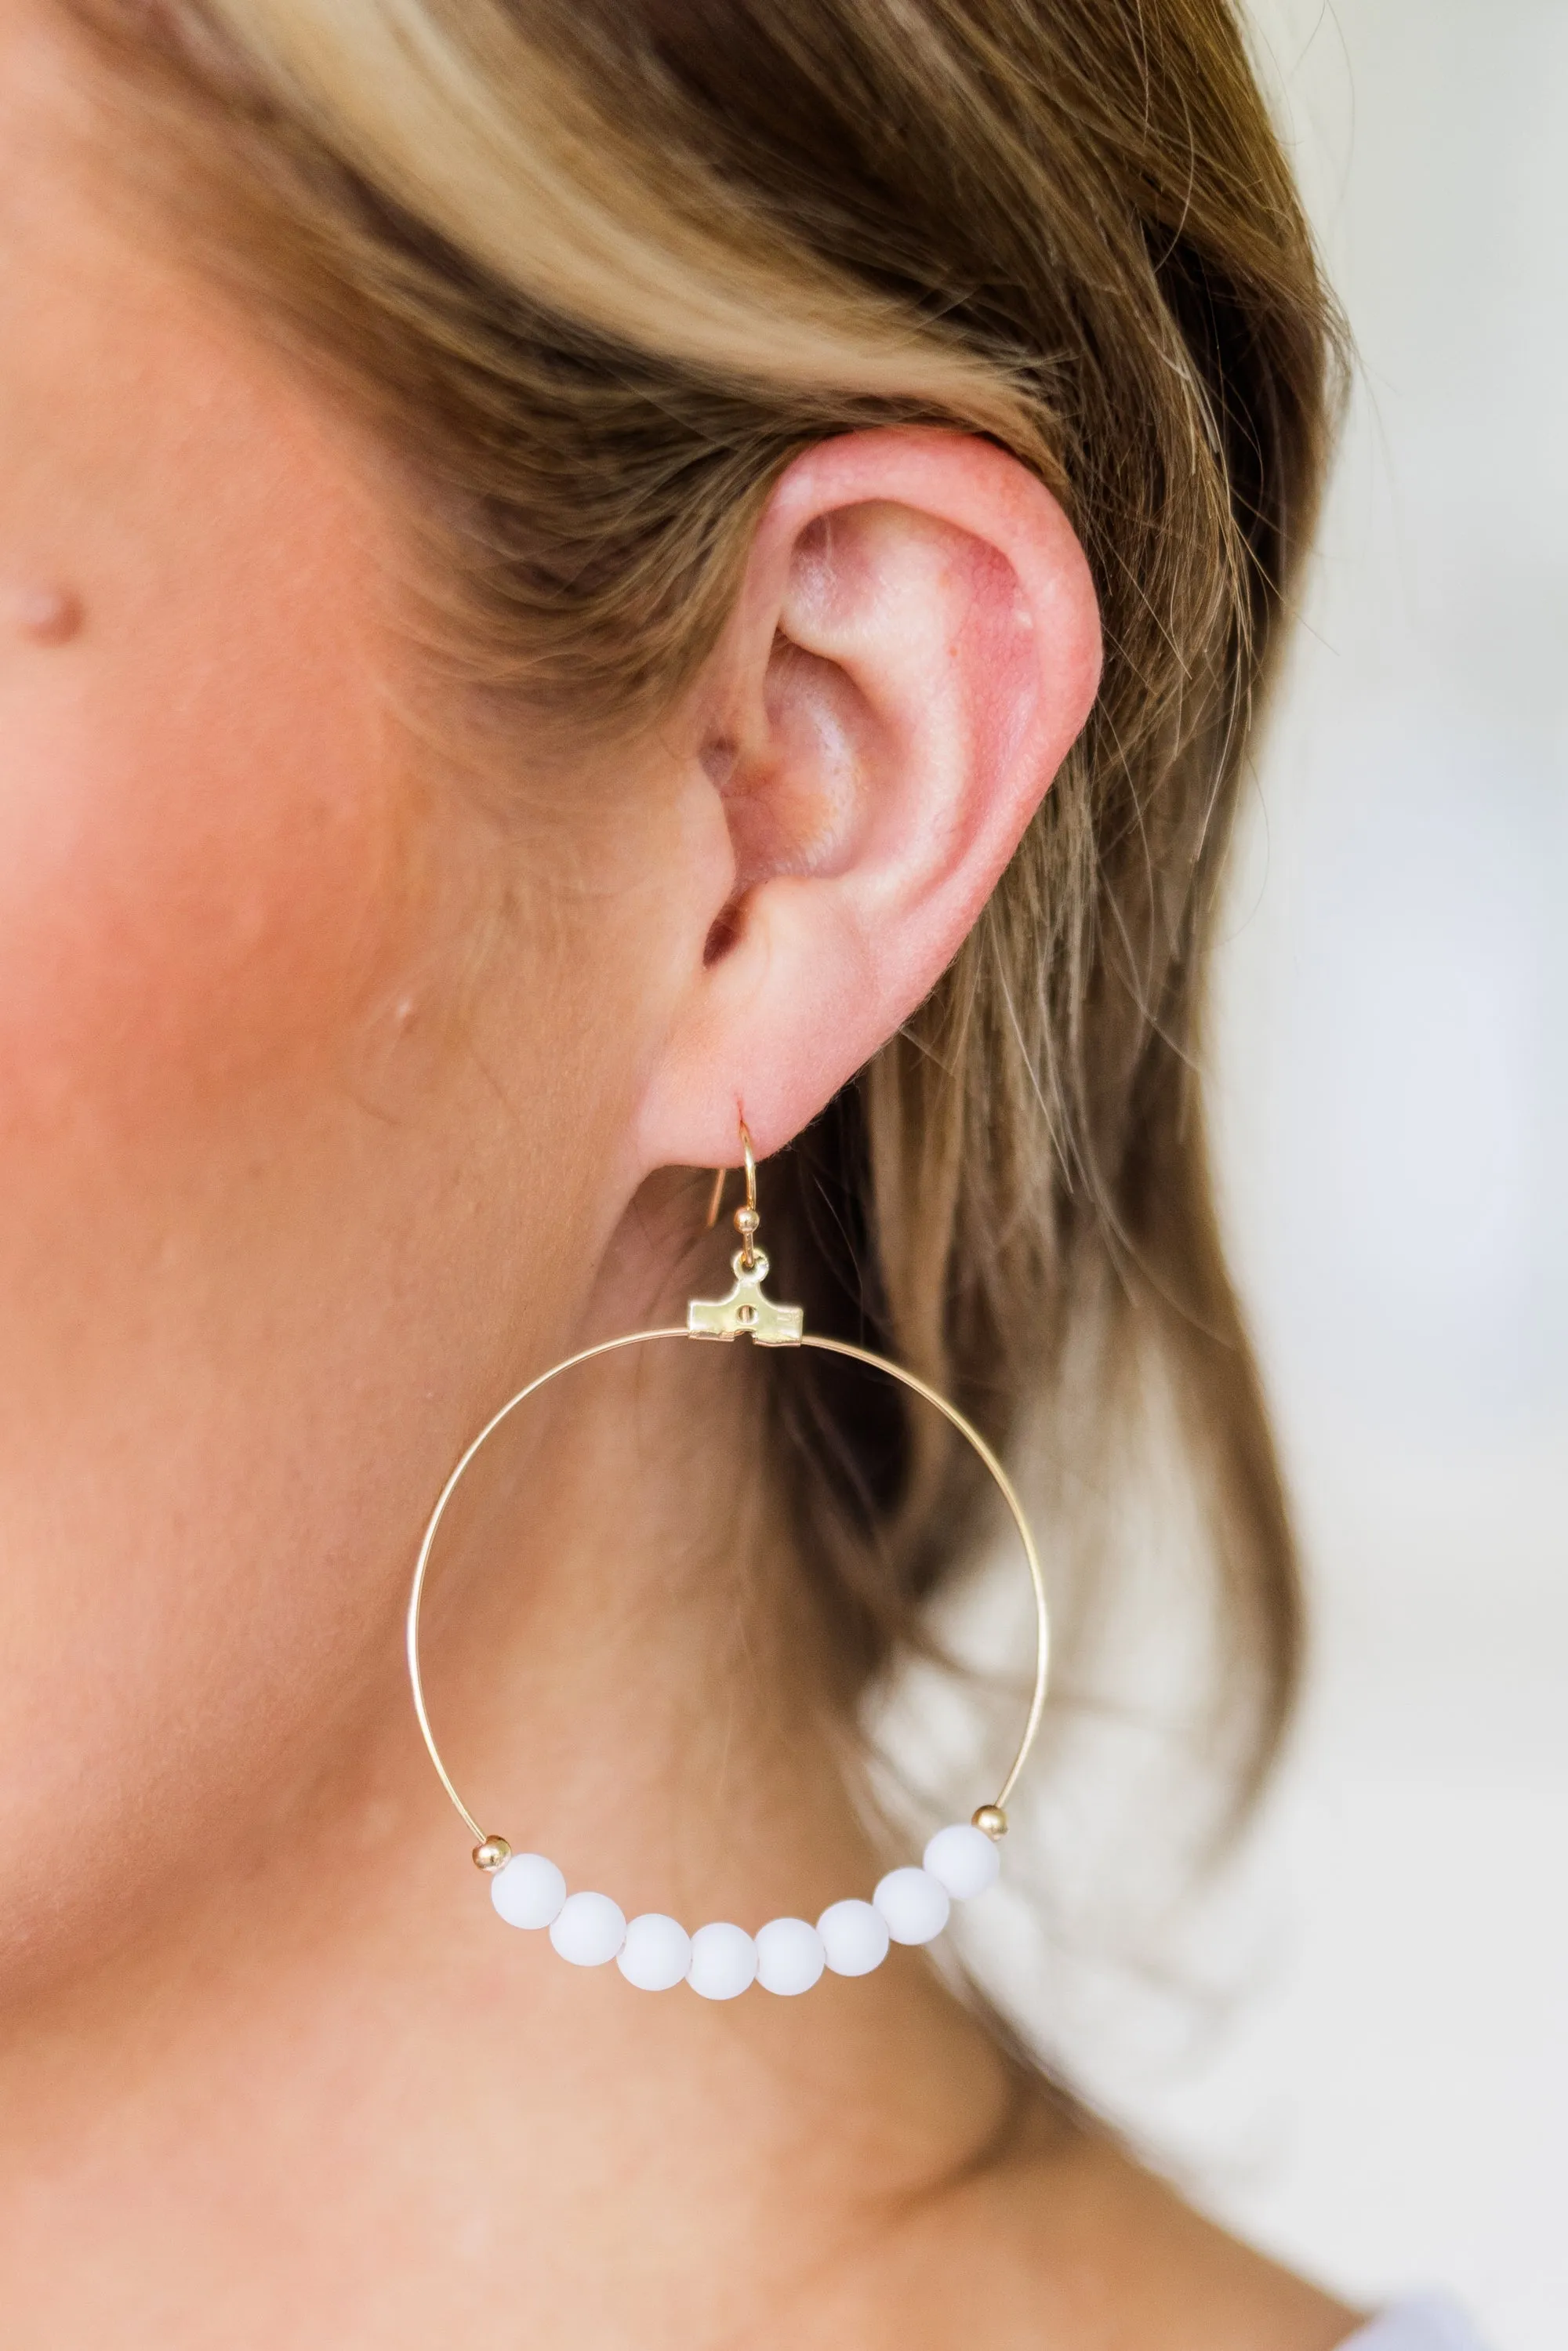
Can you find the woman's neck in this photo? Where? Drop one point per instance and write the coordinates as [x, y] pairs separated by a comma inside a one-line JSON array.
[[307, 2088], [325, 2095]]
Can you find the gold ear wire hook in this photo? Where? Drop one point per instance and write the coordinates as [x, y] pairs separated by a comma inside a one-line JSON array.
[[716, 1201], [747, 1312], [747, 1220]]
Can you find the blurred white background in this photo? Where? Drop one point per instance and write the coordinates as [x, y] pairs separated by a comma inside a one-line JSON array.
[[1390, 1081]]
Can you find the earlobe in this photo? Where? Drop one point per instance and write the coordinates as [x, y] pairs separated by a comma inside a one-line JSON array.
[[915, 648]]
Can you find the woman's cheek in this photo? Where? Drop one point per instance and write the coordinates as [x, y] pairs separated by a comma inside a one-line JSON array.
[[200, 813]]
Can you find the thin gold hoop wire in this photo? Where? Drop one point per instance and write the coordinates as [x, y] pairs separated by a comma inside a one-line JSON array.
[[917, 1386], [1009, 1491], [416, 1595]]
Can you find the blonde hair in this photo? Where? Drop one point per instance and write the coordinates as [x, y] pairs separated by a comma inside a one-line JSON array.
[[600, 269]]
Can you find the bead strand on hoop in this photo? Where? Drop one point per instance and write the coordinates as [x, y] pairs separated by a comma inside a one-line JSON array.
[[788, 1955]]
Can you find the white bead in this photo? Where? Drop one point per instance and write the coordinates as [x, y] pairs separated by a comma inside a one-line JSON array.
[[528, 1890], [724, 1961], [963, 1859], [656, 1953], [590, 1930], [914, 1907], [790, 1956], [854, 1938]]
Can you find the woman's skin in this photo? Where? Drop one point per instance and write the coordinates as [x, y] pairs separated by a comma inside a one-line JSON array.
[[346, 1053]]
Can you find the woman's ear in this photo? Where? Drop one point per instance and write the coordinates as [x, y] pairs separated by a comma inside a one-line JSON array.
[[915, 647]]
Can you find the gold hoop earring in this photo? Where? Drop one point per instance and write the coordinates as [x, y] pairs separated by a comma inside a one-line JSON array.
[[654, 1952]]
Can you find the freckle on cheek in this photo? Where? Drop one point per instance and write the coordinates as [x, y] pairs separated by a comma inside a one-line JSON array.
[[47, 615]]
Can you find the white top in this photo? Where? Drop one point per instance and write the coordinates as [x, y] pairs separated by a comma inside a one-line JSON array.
[[1416, 2326]]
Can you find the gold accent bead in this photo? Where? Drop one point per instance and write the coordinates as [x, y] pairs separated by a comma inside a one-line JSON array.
[[747, 1220], [494, 1854], [992, 1819]]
